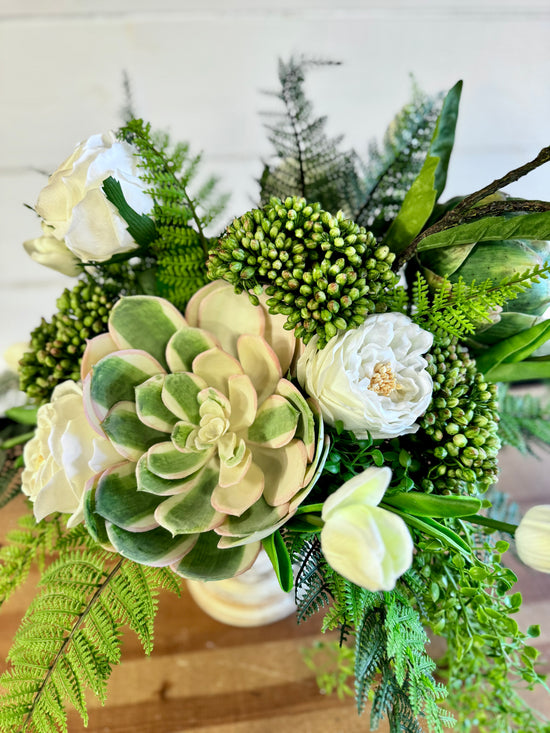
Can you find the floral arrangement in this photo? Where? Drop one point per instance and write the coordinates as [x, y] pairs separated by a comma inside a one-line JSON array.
[[326, 381]]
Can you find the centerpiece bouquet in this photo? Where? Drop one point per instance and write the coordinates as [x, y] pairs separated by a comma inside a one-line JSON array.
[[326, 381]]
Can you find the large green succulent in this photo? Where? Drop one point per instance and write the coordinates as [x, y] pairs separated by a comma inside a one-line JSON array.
[[217, 449]]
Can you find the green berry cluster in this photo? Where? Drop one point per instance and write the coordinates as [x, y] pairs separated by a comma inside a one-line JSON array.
[[57, 346], [322, 271], [461, 424]]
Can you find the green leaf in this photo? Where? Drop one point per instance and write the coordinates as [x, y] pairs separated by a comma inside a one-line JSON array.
[[435, 529], [22, 415], [514, 349], [280, 559], [491, 228], [428, 185], [141, 227], [431, 505], [525, 371]]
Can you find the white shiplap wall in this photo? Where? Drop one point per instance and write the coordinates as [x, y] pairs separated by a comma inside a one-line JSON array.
[[197, 69]]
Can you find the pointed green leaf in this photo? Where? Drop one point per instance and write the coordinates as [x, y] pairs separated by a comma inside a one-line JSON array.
[[141, 227], [432, 505], [207, 562], [280, 559], [491, 228], [145, 322], [514, 349], [156, 547], [428, 185], [525, 371]]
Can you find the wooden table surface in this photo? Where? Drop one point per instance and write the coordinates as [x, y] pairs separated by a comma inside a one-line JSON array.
[[204, 676]]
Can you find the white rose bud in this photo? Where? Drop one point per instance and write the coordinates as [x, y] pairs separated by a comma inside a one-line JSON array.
[[63, 455], [533, 538], [75, 210], [369, 546], [53, 253], [371, 378]]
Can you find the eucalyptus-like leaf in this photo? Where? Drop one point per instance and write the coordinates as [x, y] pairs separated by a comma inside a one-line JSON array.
[[489, 229]]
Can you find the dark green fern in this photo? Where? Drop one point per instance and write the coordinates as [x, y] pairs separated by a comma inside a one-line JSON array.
[[524, 421], [70, 636], [307, 163]]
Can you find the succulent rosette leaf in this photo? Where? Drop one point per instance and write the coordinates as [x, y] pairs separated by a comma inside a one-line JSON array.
[[217, 447]]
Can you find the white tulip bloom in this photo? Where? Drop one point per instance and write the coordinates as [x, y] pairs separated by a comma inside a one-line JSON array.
[[368, 545], [533, 538]]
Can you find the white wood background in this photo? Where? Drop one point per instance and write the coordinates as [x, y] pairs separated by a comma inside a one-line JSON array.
[[197, 69]]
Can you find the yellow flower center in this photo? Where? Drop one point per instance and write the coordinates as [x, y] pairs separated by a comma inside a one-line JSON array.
[[383, 380]]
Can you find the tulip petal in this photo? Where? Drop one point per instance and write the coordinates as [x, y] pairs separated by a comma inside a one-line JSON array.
[[366, 488]]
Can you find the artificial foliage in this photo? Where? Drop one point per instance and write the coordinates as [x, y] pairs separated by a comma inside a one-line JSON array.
[[321, 253], [323, 272], [70, 636], [56, 346]]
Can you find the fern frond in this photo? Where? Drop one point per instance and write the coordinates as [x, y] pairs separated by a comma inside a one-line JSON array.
[[29, 542], [393, 167], [70, 636], [524, 421], [307, 162], [457, 309]]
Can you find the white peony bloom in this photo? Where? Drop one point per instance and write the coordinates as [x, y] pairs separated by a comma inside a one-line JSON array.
[[75, 210], [372, 378], [369, 546], [533, 538], [63, 455]]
